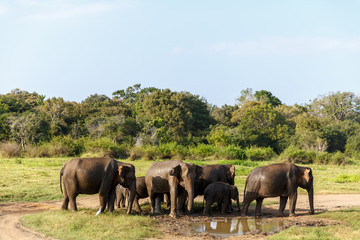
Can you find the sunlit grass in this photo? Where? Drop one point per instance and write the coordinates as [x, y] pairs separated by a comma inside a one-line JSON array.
[[348, 227], [83, 224], [37, 179]]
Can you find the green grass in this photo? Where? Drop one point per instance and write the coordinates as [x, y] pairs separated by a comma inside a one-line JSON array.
[[37, 179], [83, 224], [349, 227]]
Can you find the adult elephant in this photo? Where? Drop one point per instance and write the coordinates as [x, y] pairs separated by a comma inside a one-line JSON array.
[[214, 173], [274, 180], [96, 175], [174, 177]]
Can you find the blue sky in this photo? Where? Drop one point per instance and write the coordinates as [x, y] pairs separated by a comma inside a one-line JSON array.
[[297, 49]]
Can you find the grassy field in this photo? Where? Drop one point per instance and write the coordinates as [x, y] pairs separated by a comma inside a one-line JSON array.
[[348, 229], [35, 179]]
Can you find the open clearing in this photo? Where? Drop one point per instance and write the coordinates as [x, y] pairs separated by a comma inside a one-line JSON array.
[[11, 228]]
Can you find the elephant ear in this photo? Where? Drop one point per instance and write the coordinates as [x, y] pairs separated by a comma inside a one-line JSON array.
[[308, 175], [232, 170], [176, 171], [121, 171], [199, 171]]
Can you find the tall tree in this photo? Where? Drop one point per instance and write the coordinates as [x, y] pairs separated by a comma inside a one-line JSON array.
[[337, 106]]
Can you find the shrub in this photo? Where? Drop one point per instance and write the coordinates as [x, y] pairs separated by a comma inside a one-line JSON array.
[[295, 155], [259, 154], [172, 151], [202, 150], [150, 152], [137, 152], [231, 152], [104, 147], [10, 149], [323, 157], [339, 158]]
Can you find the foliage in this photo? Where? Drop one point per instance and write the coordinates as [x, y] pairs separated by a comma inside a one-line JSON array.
[[169, 124], [259, 154], [296, 155]]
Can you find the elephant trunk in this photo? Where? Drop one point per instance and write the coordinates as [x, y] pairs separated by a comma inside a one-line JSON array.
[[190, 192], [132, 189], [238, 204], [310, 191]]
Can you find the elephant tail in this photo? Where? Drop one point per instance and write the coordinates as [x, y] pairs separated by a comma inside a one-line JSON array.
[[61, 174], [246, 182]]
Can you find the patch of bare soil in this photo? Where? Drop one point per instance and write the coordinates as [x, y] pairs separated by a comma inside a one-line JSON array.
[[180, 228]]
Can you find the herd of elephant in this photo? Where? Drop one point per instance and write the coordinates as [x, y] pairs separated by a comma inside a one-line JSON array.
[[180, 183]]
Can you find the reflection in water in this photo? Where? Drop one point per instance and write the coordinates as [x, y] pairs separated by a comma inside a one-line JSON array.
[[238, 226]]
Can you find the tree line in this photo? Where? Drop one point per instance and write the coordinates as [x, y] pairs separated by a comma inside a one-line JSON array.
[[140, 118]]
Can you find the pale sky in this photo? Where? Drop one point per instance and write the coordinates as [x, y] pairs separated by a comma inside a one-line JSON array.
[[296, 49]]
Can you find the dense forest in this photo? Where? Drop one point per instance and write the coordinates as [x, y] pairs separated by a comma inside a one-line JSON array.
[[156, 123]]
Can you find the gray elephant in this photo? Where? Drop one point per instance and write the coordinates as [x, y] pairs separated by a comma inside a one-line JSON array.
[[221, 193], [122, 195], [214, 173], [96, 175], [174, 177], [274, 180]]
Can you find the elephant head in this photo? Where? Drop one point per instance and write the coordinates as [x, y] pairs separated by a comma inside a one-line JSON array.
[[305, 180], [125, 176], [186, 174], [234, 194]]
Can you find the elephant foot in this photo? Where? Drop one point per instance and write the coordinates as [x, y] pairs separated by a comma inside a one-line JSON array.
[[292, 215], [173, 215], [280, 214], [311, 212]]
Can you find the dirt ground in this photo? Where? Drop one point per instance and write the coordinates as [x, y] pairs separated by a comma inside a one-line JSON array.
[[11, 228]]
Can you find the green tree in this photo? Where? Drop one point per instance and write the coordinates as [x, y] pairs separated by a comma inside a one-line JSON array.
[[261, 125], [184, 114], [337, 106]]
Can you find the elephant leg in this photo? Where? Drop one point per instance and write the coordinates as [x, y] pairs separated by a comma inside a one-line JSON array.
[[248, 198], [152, 201], [65, 204], [72, 202], [283, 201], [158, 203], [225, 204], [167, 200], [122, 201], [258, 206], [292, 204], [181, 202], [209, 202], [137, 206]]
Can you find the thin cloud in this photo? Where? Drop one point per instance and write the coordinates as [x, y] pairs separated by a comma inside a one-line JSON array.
[[72, 11], [4, 10], [283, 46]]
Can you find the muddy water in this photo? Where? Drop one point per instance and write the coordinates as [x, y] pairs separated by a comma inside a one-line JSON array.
[[237, 226]]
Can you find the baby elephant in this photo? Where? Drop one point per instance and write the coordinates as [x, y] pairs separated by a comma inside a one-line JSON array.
[[222, 193], [122, 195]]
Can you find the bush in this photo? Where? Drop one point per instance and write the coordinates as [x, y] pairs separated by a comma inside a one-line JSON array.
[[104, 147], [323, 157], [202, 150], [231, 152], [172, 151], [10, 149], [295, 155], [259, 154], [339, 158], [137, 152]]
